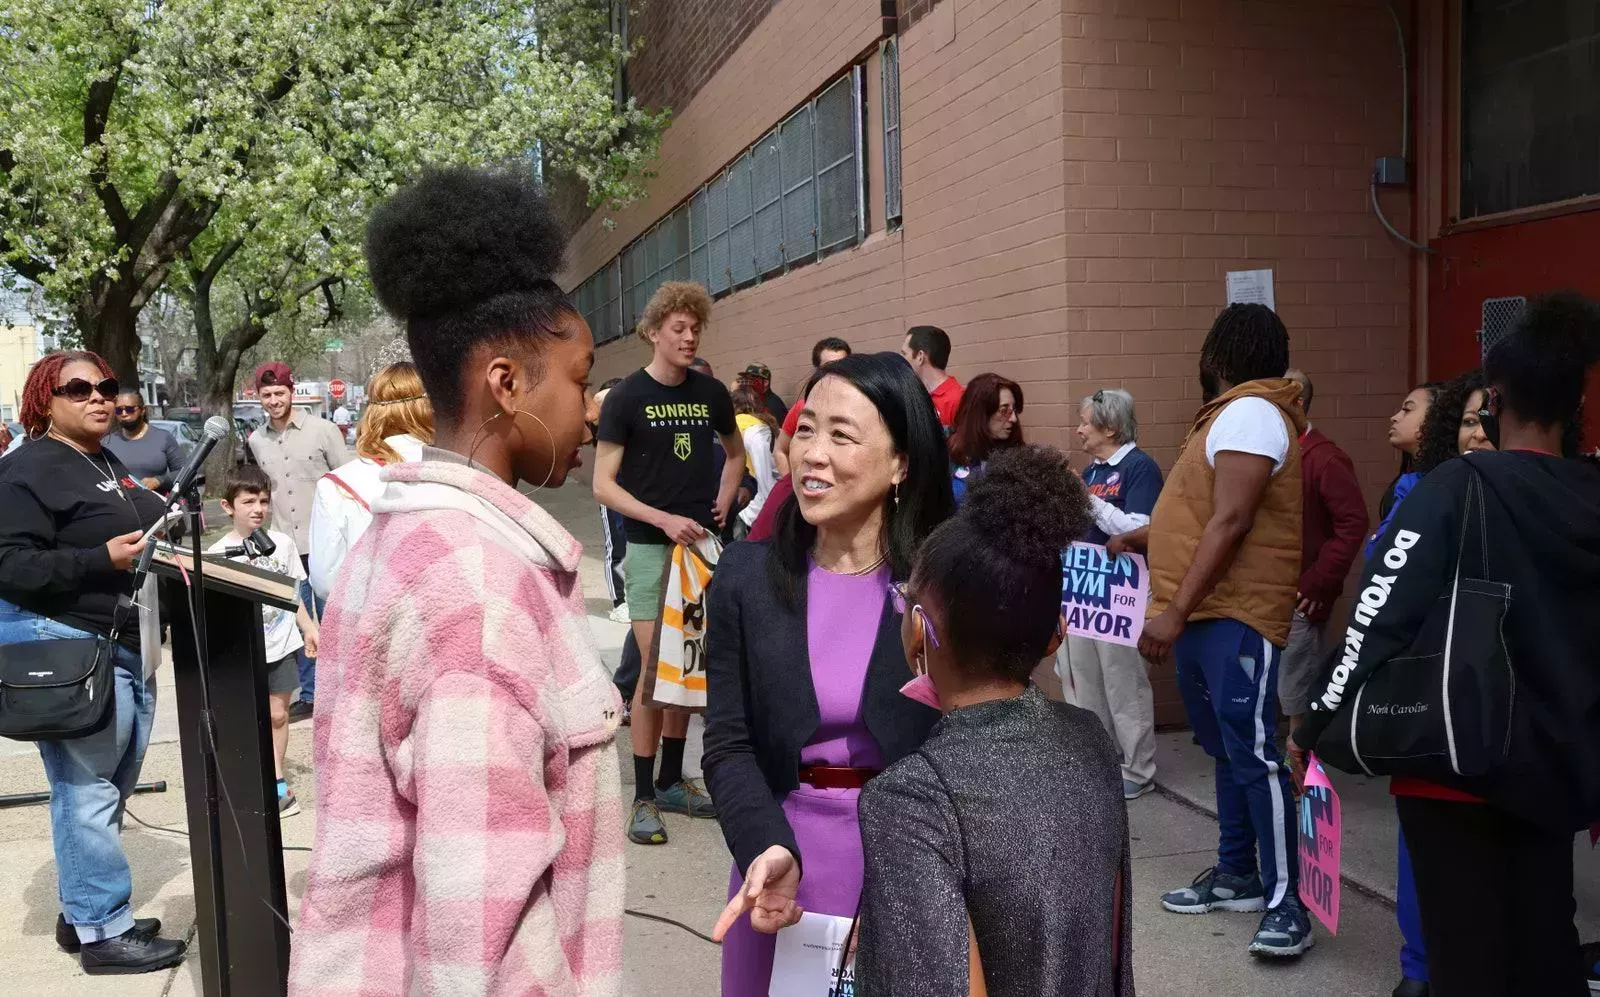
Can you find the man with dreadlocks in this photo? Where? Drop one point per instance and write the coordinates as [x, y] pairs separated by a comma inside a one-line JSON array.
[[1224, 566]]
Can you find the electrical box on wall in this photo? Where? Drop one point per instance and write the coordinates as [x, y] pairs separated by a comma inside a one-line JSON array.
[[1390, 171]]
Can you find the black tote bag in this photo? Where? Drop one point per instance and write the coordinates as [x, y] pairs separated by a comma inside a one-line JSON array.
[[1442, 709]]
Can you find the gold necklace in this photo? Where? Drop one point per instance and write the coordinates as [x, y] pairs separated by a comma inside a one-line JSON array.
[[867, 570]]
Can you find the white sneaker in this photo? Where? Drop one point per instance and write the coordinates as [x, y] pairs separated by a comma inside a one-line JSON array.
[[619, 614]]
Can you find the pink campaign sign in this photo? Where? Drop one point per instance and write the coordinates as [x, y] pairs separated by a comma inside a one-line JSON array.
[[1103, 597], [1319, 846]]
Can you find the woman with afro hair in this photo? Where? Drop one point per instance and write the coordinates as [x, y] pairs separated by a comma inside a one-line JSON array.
[[954, 827], [469, 794]]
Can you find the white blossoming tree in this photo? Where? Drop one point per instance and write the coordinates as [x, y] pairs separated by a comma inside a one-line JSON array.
[[229, 151]]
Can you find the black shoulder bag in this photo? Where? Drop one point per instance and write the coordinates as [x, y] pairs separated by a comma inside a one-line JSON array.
[[58, 690], [1442, 710]]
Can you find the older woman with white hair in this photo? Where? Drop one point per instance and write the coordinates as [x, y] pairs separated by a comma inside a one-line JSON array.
[[1110, 680]]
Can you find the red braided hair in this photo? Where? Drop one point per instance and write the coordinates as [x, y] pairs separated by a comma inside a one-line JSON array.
[[42, 378]]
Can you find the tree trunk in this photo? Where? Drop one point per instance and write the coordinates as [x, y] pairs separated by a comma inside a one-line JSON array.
[[109, 325], [217, 399]]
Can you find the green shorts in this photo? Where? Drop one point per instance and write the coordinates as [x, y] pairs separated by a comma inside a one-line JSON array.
[[644, 569]]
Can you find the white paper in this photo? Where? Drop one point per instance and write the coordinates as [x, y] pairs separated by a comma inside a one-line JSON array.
[[805, 962], [1251, 287]]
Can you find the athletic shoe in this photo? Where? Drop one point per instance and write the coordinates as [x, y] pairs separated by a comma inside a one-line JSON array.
[[619, 614], [288, 805], [1133, 790], [133, 951], [684, 797], [1591, 965], [1407, 987], [644, 824], [1285, 932], [67, 936], [1217, 890], [300, 710], [627, 715]]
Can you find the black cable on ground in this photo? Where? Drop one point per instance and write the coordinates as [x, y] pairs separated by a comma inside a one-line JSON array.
[[182, 833], [667, 920]]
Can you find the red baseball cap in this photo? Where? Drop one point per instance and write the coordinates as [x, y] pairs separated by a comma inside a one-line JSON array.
[[274, 373]]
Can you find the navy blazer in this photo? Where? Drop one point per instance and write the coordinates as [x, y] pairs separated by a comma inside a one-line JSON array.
[[762, 706]]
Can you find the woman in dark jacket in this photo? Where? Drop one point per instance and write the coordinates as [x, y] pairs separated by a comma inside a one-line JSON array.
[[988, 421], [804, 660], [70, 532], [953, 832], [1492, 850]]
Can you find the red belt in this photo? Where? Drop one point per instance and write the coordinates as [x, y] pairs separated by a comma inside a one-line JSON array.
[[835, 776]]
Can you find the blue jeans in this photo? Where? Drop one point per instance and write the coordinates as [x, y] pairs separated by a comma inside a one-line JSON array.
[[1228, 678], [90, 781], [306, 664]]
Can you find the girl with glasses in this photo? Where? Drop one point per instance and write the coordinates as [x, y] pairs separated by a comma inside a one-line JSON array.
[[957, 888], [805, 665]]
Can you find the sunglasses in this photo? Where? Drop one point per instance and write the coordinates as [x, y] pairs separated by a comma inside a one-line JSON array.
[[79, 390], [903, 605], [127, 409]]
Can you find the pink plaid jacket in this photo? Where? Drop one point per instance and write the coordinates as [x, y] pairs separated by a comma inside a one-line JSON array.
[[469, 803]]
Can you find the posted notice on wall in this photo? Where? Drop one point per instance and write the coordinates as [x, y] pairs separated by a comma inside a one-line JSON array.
[[1251, 287], [805, 962], [1103, 597], [1320, 827]]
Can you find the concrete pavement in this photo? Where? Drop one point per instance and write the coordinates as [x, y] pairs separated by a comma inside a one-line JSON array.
[[1173, 838]]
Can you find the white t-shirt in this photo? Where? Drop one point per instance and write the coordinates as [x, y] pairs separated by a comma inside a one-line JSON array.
[[282, 632], [1249, 425]]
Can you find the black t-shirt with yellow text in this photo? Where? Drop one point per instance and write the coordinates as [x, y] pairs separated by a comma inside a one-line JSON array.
[[669, 438]]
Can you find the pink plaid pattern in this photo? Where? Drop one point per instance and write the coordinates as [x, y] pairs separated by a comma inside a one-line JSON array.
[[469, 803]]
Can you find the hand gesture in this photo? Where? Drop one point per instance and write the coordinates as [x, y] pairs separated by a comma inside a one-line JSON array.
[[1155, 643], [768, 894], [124, 550], [682, 530]]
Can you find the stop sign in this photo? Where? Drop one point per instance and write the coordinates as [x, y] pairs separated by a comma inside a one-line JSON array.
[[336, 388]]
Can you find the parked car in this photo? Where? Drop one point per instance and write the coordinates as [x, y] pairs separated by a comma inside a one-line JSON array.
[[182, 430]]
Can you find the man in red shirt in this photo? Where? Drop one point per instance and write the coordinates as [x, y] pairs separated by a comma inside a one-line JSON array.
[[927, 350], [1334, 526]]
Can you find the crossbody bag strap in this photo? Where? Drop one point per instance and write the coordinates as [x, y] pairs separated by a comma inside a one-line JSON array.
[[340, 484]]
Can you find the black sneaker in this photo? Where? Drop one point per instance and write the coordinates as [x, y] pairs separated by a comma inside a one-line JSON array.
[[300, 710], [67, 937], [133, 951]]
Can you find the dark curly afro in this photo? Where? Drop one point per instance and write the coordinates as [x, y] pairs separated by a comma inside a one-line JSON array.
[[1442, 425], [995, 568], [464, 257]]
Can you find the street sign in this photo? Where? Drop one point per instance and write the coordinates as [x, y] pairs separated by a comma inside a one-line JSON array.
[[333, 346], [336, 388]]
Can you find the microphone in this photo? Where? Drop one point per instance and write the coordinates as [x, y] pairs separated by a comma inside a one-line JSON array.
[[257, 544], [215, 431]]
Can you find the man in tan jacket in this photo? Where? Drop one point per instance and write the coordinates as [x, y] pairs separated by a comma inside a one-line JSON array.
[[1224, 565]]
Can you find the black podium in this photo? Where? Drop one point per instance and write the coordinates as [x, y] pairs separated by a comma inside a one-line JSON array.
[[229, 785]]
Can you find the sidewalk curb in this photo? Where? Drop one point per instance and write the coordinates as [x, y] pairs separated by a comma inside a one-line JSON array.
[[1365, 889]]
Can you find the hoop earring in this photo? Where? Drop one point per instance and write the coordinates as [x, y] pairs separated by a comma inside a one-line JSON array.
[[473, 448], [49, 424]]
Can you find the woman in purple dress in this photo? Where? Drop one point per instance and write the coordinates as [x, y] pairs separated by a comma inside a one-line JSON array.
[[804, 658]]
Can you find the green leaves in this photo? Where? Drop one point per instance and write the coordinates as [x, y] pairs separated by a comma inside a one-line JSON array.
[[278, 124]]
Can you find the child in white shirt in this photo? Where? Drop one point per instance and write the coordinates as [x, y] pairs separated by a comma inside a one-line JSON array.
[[248, 503]]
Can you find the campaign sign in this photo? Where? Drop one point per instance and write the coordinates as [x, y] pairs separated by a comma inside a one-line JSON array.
[[806, 958], [1319, 846], [1103, 597]]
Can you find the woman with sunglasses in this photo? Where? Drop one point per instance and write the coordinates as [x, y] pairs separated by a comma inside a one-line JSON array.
[[804, 664], [1491, 852], [70, 532], [957, 888]]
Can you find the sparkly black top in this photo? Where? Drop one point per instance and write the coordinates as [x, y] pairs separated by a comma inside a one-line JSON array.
[[1012, 813]]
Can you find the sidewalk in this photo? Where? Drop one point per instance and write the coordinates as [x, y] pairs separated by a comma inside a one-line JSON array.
[[1173, 838]]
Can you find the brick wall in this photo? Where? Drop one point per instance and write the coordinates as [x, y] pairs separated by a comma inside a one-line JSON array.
[[1079, 176], [685, 43]]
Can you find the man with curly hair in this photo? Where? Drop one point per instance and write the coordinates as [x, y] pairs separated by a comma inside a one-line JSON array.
[[656, 464]]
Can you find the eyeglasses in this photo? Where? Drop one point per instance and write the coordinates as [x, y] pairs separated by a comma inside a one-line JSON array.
[[901, 600], [127, 409], [79, 390]]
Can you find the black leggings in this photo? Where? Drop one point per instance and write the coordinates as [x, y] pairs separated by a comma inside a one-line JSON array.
[[1496, 899]]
